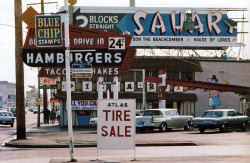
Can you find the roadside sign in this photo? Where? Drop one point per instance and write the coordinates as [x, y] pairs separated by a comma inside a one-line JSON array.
[[162, 27], [116, 43], [38, 101], [116, 124], [48, 30], [82, 70], [103, 83]]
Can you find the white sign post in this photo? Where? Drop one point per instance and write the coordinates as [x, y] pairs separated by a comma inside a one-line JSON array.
[[67, 65], [116, 124]]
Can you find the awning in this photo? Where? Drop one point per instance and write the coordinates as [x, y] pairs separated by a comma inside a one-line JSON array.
[[171, 97]]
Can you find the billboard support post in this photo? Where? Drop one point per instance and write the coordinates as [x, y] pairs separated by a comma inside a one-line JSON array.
[[66, 30]]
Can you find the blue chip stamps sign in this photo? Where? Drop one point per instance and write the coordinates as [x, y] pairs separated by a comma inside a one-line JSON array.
[[48, 30], [116, 124]]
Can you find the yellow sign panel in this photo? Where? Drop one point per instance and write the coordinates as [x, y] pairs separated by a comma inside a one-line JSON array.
[[72, 2]]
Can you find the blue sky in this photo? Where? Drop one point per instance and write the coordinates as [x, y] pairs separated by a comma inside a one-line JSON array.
[[7, 31]]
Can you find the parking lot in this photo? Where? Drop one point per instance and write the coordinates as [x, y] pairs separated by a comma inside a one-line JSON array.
[[210, 137]]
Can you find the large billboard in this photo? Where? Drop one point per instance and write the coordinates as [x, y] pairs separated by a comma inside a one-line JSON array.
[[162, 27]]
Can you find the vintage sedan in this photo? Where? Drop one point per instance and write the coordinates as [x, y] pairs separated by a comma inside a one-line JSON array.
[[7, 118], [221, 119], [162, 119]]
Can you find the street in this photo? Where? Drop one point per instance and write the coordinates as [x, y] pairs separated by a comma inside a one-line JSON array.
[[8, 132], [212, 146]]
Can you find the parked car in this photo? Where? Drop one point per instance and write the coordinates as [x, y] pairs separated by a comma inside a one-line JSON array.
[[221, 119], [162, 119], [93, 122], [31, 109], [7, 118], [138, 112], [13, 110]]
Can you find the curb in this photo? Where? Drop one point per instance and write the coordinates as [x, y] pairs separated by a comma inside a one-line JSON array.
[[93, 145]]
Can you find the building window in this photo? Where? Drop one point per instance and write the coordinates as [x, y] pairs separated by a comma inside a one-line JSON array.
[[173, 75], [187, 75]]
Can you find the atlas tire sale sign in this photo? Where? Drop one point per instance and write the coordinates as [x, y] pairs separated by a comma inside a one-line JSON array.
[[116, 124]]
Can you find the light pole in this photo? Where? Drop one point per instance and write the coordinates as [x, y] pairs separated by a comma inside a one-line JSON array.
[[68, 87]]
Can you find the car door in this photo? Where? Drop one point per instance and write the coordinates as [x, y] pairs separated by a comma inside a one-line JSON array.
[[232, 118], [175, 119], [168, 119]]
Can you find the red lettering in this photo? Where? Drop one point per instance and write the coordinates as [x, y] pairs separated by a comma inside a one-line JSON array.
[[106, 111], [126, 115], [118, 132], [87, 86], [105, 132], [118, 115], [127, 131], [113, 115], [112, 131]]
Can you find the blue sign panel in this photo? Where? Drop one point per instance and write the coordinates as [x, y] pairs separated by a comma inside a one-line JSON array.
[[162, 27]]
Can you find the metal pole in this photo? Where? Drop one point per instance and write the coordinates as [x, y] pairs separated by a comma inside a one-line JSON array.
[[68, 88], [143, 90], [38, 83], [132, 3], [116, 88]]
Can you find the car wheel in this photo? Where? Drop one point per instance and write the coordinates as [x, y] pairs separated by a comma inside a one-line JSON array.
[[202, 130], [163, 127], [223, 128], [244, 126], [12, 125], [187, 126]]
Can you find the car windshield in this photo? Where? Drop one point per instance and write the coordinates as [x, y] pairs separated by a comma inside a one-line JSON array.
[[147, 113], [150, 113], [213, 114], [5, 114], [13, 110]]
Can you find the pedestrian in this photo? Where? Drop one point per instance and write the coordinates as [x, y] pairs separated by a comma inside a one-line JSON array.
[[53, 116], [58, 115], [46, 116]]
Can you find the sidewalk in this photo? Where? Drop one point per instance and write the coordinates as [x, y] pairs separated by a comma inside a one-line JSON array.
[[54, 136]]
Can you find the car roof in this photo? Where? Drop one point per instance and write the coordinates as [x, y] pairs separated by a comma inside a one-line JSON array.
[[221, 110], [3, 111]]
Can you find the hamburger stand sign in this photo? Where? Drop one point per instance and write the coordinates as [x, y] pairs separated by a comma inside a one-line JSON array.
[[109, 55]]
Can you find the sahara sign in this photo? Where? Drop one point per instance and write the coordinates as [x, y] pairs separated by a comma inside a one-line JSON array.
[[158, 27], [48, 30], [116, 124]]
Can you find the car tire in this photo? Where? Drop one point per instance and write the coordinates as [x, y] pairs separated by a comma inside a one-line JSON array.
[[187, 126], [163, 127], [12, 125], [223, 128], [244, 126], [202, 130]]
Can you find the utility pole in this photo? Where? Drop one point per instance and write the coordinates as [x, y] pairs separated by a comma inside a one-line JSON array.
[[20, 104]]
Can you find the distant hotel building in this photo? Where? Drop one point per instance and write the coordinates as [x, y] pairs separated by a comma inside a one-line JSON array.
[[7, 93]]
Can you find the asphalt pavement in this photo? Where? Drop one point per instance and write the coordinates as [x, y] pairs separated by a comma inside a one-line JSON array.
[[54, 136]]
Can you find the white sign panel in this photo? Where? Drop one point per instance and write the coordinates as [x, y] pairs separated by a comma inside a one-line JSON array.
[[116, 124], [129, 86], [178, 88], [87, 86], [151, 87], [72, 84], [48, 81]]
